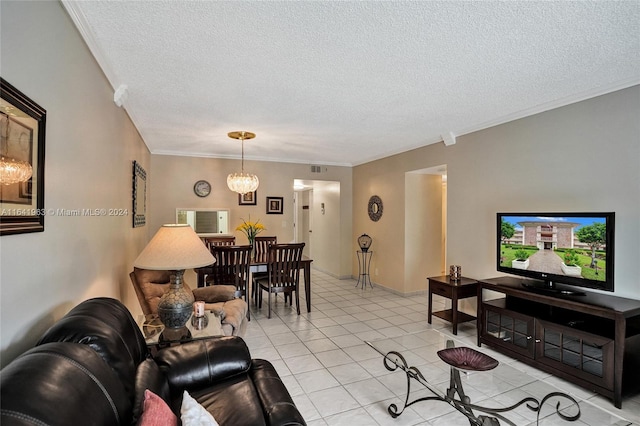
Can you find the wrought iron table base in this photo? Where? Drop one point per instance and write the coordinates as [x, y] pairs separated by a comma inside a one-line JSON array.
[[364, 264], [394, 360]]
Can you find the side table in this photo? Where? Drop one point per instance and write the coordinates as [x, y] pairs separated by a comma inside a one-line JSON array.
[[364, 263], [156, 336], [454, 290]]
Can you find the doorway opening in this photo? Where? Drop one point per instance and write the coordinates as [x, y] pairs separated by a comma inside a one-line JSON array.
[[425, 226], [316, 222]]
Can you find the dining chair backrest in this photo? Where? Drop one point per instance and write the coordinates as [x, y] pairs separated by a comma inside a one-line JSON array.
[[228, 240], [231, 267], [261, 245], [283, 267]]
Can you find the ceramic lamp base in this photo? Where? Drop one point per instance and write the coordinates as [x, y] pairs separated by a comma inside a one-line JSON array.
[[176, 305]]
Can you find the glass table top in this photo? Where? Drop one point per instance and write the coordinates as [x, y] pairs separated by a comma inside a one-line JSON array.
[[440, 369], [196, 328]]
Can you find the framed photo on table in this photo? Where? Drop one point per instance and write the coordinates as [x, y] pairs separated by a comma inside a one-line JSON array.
[[274, 205], [22, 143], [248, 199]]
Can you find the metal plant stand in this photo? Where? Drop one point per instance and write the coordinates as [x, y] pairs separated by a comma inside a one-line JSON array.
[[465, 359], [364, 264]]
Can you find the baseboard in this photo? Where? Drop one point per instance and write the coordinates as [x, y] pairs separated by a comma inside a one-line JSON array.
[[331, 274], [394, 291], [399, 293]]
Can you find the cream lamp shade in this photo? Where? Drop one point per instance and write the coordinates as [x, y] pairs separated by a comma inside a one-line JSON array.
[[174, 247]]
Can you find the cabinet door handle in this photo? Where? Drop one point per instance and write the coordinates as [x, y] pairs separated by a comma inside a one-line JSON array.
[[528, 337], [537, 340]]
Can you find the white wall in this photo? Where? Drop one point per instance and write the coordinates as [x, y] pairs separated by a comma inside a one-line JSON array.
[[325, 238], [172, 186], [423, 230], [302, 230], [581, 157], [90, 146]]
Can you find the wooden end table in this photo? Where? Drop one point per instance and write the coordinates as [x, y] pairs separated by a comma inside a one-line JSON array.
[[454, 290]]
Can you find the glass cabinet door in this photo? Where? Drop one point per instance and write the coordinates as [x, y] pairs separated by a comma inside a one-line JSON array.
[[583, 354], [509, 329]]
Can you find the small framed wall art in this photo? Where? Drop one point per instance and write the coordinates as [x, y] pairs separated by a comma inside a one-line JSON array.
[[139, 195], [274, 205], [248, 199]]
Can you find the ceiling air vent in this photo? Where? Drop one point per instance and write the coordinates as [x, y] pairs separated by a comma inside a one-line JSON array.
[[316, 169]]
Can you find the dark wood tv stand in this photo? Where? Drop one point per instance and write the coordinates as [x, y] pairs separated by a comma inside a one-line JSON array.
[[592, 340]]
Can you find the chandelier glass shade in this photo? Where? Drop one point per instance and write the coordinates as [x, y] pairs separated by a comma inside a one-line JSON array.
[[14, 171], [242, 182]]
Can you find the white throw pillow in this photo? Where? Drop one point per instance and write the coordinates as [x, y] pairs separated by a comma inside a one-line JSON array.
[[194, 414]]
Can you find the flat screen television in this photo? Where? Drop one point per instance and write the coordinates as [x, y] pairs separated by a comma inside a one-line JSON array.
[[557, 248]]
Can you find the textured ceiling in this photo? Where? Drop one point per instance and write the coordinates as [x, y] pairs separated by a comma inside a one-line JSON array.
[[348, 82]]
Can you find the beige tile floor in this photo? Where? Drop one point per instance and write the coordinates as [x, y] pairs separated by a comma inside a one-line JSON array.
[[336, 379]]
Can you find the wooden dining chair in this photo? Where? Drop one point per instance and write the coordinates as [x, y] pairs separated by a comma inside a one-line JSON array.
[[260, 252], [210, 242], [231, 268], [223, 240], [261, 245], [283, 273]]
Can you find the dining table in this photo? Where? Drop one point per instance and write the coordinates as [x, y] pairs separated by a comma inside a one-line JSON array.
[[259, 264]]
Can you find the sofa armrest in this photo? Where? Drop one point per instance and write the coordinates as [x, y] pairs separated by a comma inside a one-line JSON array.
[[105, 325], [204, 362], [62, 383], [278, 406]]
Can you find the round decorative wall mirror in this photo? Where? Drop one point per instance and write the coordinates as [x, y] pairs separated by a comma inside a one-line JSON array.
[[375, 208]]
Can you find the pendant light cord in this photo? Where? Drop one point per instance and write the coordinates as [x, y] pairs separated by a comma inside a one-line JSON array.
[[242, 142]]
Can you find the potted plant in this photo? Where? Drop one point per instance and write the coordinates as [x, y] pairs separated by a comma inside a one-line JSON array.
[[571, 264], [521, 260], [251, 229]]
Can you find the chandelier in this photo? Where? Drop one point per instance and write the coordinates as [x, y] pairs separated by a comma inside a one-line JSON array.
[[12, 170], [242, 182]]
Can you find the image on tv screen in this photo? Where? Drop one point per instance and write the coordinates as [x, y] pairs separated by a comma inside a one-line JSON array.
[[570, 246]]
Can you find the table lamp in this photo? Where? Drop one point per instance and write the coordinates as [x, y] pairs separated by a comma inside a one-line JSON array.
[[175, 247]]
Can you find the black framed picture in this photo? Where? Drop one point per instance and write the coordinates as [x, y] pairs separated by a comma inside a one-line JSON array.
[[139, 195], [274, 205], [22, 144], [248, 199]]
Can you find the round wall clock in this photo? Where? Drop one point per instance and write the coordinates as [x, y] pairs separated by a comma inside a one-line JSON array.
[[375, 208], [202, 188]]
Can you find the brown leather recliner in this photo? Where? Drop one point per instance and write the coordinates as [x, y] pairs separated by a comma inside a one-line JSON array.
[[220, 299], [93, 367]]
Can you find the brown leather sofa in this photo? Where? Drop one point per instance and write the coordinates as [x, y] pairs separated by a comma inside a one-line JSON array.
[[92, 368]]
